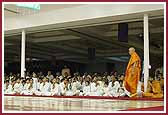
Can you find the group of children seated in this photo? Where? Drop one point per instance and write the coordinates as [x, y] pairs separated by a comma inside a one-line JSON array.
[[65, 85]]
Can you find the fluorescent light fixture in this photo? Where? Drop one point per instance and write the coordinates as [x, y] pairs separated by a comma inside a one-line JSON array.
[[117, 59], [124, 57], [30, 6]]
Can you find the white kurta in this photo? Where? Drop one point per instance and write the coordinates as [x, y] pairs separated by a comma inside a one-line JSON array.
[[79, 85], [55, 89], [93, 89], [63, 89], [99, 91], [72, 89], [18, 88], [44, 89], [27, 90], [9, 90], [106, 91], [114, 89], [69, 91], [86, 90], [35, 83], [121, 92]]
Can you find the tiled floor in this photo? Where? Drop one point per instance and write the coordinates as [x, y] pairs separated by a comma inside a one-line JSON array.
[[25, 103]]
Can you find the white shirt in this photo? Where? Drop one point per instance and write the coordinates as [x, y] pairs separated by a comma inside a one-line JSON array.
[[86, 90], [26, 86], [55, 87], [9, 89], [18, 87], [115, 87], [44, 87], [93, 87]]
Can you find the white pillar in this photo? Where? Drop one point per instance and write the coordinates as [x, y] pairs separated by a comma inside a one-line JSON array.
[[146, 51], [23, 42]]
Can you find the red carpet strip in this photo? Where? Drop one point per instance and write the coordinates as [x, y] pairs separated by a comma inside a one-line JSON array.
[[158, 108]]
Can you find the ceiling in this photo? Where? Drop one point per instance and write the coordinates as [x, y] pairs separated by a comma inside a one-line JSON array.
[[73, 44], [13, 10]]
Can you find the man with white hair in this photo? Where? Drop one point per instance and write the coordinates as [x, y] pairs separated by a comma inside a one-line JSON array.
[[133, 71]]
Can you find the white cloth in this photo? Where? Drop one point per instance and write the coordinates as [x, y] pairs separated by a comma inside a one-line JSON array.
[[9, 90], [93, 89], [106, 91], [18, 87], [114, 89], [55, 89], [63, 90], [35, 83], [86, 90], [27, 89], [44, 89]]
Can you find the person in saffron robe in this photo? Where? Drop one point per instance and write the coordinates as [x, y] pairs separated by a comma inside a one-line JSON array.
[[133, 71], [153, 89]]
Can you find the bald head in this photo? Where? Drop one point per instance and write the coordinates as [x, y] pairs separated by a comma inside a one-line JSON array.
[[131, 50]]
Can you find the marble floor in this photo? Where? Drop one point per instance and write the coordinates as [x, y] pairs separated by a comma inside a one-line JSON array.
[[29, 103]]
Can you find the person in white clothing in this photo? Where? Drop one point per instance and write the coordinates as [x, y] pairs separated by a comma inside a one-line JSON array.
[[75, 87], [121, 91], [79, 83], [38, 84], [35, 81], [44, 88], [114, 86], [69, 91], [72, 88], [49, 76], [93, 87], [64, 86], [26, 87], [55, 87], [10, 88], [106, 91], [18, 87], [99, 89], [86, 89]]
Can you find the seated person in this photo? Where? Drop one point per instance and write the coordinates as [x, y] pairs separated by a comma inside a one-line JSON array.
[[106, 91], [44, 88], [64, 86], [121, 91], [55, 87], [50, 76], [113, 86], [26, 87], [18, 87], [153, 89], [86, 89], [10, 87]]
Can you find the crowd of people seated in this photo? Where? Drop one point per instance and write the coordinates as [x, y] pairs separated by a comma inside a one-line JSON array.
[[94, 84]]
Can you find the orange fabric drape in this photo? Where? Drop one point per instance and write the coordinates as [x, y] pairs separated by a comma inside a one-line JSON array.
[[153, 90], [131, 80]]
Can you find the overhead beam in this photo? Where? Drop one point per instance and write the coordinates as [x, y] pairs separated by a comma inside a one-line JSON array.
[[55, 38], [135, 31], [88, 37], [100, 39]]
